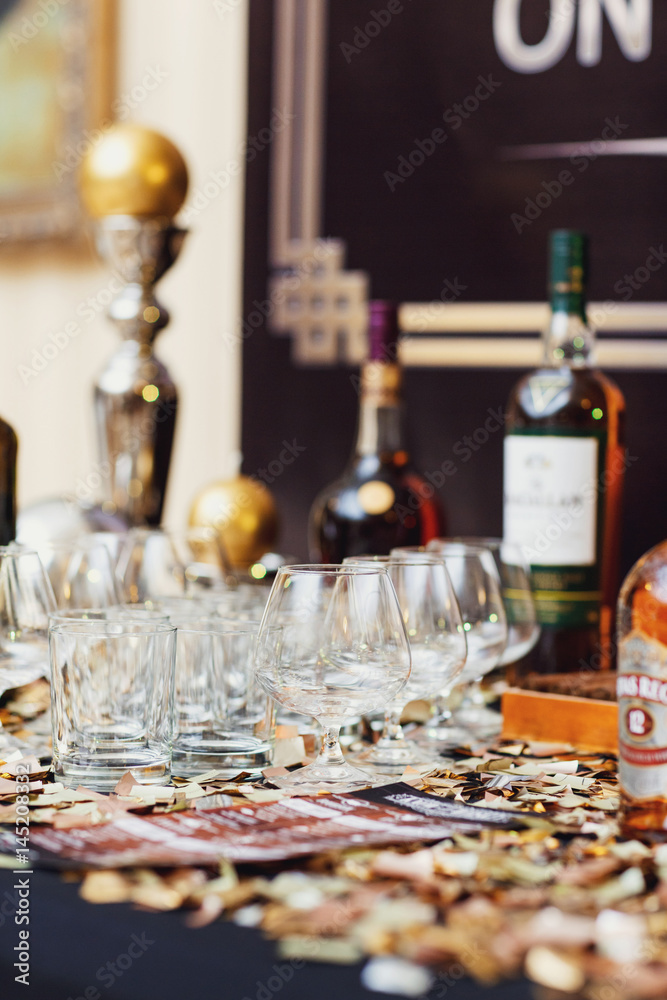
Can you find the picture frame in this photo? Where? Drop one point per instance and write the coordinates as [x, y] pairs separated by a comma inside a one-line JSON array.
[[56, 86]]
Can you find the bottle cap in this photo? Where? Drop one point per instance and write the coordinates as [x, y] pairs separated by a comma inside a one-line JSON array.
[[568, 262], [383, 332]]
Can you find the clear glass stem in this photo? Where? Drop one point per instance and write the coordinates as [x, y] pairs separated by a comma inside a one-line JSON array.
[[441, 729], [442, 713], [480, 722], [392, 733], [330, 754], [473, 697]]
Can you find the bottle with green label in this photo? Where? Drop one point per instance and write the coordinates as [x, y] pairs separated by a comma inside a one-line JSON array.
[[564, 467]]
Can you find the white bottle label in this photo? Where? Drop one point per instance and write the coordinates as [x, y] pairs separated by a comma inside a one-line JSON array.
[[641, 688], [550, 503]]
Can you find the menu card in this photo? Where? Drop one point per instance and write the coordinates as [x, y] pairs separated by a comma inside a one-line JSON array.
[[257, 832]]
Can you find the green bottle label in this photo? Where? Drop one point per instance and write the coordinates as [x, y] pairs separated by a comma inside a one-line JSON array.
[[553, 494]]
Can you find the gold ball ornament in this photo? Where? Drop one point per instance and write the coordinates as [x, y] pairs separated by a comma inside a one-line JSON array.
[[133, 171], [243, 513]]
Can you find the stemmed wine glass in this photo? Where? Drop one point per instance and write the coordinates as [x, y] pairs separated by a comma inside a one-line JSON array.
[[332, 644], [437, 645], [26, 600], [477, 586], [476, 581], [523, 629]]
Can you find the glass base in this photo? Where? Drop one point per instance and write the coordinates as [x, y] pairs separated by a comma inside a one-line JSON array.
[[319, 777], [442, 736], [393, 756], [478, 721], [227, 753], [101, 771]]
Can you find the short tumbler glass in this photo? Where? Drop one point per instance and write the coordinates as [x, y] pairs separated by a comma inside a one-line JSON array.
[[224, 720], [112, 701]]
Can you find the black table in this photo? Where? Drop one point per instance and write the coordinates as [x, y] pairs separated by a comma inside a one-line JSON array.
[[154, 956]]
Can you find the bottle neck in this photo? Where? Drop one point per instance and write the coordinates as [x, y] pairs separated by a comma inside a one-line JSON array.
[[569, 341], [380, 430]]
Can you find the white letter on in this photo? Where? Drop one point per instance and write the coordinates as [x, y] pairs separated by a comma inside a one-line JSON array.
[[532, 58]]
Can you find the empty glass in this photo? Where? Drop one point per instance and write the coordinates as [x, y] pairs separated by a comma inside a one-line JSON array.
[[81, 573], [224, 720], [476, 581], [437, 645], [149, 565], [112, 697], [332, 645], [156, 563], [26, 600], [112, 540], [523, 628], [192, 608], [243, 603]]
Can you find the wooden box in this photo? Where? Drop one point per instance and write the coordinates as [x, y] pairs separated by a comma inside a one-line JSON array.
[[585, 722]]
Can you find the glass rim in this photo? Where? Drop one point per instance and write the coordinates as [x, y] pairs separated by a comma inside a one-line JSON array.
[[432, 558], [112, 613], [464, 548], [175, 599], [482, 541], [355, 560], [18, 549], [330, 569], [208, 628], [77, 614], [80, 626]]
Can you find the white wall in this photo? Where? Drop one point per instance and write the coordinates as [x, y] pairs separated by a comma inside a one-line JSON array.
[[200, 105]]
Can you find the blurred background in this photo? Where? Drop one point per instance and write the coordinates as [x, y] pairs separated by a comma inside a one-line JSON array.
[[404, 132]]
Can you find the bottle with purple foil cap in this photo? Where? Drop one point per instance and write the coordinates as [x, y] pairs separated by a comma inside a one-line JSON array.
[[383, 331], [380, 498]]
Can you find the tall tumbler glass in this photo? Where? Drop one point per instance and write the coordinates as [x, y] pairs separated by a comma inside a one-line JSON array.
[[112, 701], [81, 573], [154, 563], [26, 600], [224, 720]]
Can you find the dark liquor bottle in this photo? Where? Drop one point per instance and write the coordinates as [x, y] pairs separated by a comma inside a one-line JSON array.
[[8, 452], [380, 501], [564, 470]]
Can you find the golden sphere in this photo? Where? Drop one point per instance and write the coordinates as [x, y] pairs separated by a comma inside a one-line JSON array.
[[244, 515], [133, 171]]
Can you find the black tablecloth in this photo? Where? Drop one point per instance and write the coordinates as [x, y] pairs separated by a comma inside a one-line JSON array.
[[154, 956]]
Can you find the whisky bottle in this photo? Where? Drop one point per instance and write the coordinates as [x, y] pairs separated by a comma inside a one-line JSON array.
[[380, 502], [8, 453], [564, 466], [642, 693]]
